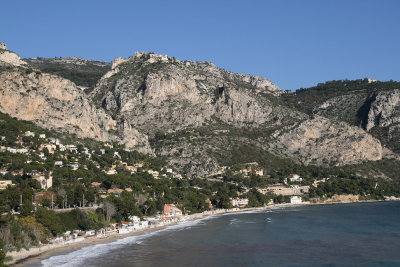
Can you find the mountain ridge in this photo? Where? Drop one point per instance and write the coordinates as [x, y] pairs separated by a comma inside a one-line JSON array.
[[191, 113]]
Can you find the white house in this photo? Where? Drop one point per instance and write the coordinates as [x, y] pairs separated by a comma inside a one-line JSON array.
[[44, 183], [22, 150], [154, 173], [295, 200], [72, 148], [58, 163], [12, 150], [111, 171], [29, 133], [295, 178], [73, 166], [239, 202], [134, 219]]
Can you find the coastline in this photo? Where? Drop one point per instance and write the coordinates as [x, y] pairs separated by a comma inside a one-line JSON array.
[[37, 254]]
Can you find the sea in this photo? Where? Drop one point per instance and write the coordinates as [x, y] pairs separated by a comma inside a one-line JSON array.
[[362, 234]]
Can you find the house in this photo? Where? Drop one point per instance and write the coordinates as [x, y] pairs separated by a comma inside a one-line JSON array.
[[295, 200], [11, 150], [29, 134], [115, 191], [42, 156], [72, 148], [138, 165], [61, 147], [3, 172], [50, 147], [295, 178], [171, 210], [258, 171], [42, 136], [154, 173], [131, 169], [96, 184], [143, 224], [111, 172], [134, 219], [73, 166], [14, 173], [22, 150], [5, 183], [239, 202], [41, 178], [54, 141], [169, 170], [58, 163], [178, 176]]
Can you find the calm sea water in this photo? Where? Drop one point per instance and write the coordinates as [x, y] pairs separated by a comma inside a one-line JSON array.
[[366, 234]]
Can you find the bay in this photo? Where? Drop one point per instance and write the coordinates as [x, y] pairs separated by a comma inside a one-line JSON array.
[[362, 234]]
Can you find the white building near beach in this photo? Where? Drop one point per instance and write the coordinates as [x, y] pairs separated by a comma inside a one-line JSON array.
[[295, 200], [239, 202]]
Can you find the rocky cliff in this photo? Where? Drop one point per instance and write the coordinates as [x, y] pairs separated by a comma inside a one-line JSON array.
[[384, 109], [322, 141], [198, 116], [9, 57], [159, 93]]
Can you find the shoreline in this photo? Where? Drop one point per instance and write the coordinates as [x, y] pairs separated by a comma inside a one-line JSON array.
[[37, 254]]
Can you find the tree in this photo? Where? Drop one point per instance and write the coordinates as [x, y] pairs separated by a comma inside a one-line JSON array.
[[2, 253], [109, 209], [27, 208], [149, 208], [49, 219]]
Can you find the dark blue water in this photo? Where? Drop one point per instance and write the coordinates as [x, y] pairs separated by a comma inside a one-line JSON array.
[[366, 234]]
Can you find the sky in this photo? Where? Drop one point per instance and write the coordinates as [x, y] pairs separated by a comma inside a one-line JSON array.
[[295, 44]]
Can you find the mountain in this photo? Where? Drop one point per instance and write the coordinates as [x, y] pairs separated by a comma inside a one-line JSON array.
[[371, 105], [201, 118]]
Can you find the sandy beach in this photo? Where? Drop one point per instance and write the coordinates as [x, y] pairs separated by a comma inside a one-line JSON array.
[[38, 254]]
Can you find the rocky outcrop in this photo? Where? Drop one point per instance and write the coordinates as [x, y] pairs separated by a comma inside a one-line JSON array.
[[9, 57], [324, 142], [384, 109], [159, 93], [56, 103], [3, 46]]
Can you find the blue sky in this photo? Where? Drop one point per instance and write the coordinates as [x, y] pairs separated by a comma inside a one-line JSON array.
[[293, 43]]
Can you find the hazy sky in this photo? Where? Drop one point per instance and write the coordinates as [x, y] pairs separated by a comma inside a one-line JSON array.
[[293, 43]]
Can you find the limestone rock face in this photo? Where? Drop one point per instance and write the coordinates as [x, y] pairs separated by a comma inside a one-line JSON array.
[[384, 109], [324, 142], [194, 114], [56, 103], [3, 46], [159, 93], [9, 57]]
